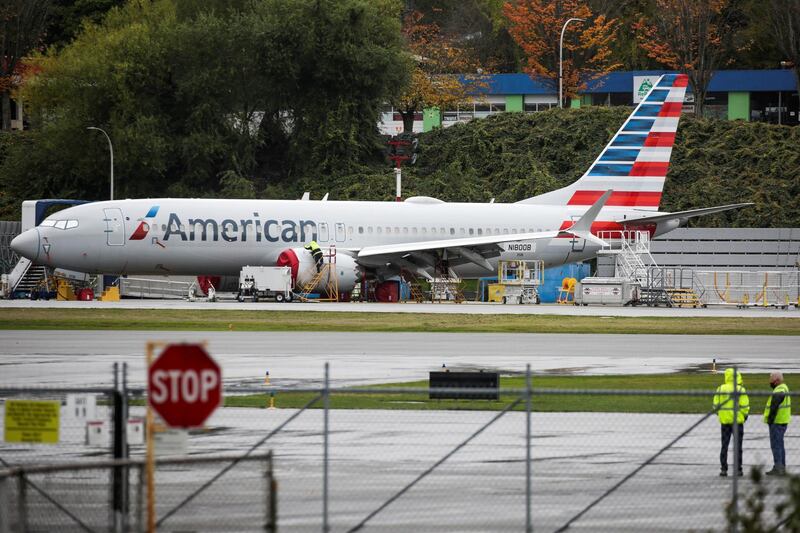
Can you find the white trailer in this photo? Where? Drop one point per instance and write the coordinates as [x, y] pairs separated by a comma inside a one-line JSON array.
[[257, 282]]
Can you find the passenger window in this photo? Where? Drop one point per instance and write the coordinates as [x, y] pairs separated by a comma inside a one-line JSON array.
[[471, 231], [480, 231], [433, 231], [388, 230], [505, 231], [452, 231], [369, 229], [513, 230], [414, 231], [424, 231], [361, 229], [405, 230], [397, 230], [441, 230], [379, 229], [461, 231]]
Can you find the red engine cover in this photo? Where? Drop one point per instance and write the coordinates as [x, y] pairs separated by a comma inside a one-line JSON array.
[[205, 282], [289, 258]]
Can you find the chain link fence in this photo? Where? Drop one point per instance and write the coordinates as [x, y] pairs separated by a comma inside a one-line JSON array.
[[191, 496], [390, 459]]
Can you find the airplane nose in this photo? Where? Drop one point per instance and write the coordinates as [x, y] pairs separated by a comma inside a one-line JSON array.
[[26, 244]]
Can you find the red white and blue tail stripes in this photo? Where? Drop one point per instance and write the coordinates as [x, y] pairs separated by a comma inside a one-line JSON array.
[[635, 162]]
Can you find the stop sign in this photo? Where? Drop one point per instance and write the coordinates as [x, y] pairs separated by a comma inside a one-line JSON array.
[[184, 385]]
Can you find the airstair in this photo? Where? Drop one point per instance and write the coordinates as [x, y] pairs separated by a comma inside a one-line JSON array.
[[657, 286], [27, 277]]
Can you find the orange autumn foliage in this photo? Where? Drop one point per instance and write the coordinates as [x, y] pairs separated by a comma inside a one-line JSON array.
[[535, 25], [441, 73]]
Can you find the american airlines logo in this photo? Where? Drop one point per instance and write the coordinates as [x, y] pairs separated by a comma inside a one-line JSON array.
[[242, 230], [144, 228]]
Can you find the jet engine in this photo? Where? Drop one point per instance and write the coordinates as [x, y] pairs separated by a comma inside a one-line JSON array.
[[304, 269]]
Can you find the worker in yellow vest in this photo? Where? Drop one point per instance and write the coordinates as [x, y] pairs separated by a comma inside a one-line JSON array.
[[723, 405], [316, 253], [777, 414]]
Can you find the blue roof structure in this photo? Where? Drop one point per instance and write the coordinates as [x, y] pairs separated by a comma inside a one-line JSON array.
[[622, 82]]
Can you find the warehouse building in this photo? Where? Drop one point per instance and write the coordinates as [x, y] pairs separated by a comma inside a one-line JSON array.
[[751, 95]]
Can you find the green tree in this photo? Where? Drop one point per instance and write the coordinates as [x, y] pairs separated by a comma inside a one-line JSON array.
[[266, 91]]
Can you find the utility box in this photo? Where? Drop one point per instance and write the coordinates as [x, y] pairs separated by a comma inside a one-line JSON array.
[[606, 291], [486, 385], [256, 282]]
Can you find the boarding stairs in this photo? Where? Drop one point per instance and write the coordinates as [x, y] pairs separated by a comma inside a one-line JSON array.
[[631, 252], [27, 277], [658, 286]]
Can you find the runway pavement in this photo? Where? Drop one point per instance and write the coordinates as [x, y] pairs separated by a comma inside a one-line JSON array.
[[449, 308], [75, 358]]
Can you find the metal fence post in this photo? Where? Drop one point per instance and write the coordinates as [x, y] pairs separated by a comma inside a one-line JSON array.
[[272, 497], [325, 406], [528, 387], [22, 503], [5, 505], [118, 486], [737, 446]]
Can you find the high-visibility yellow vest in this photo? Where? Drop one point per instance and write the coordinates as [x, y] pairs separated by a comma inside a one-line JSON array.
[[723, 401], [784, 410]]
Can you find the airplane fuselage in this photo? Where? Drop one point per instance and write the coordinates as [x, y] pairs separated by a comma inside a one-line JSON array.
[[205, 236]]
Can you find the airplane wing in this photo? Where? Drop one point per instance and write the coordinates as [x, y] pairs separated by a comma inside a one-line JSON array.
[[417, 256], [682, 216]]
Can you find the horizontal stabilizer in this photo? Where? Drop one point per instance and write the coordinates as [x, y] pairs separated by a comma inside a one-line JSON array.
[[683, 216], [583, 227]]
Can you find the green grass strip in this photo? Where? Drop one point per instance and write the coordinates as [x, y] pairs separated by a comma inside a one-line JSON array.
[[221, 320], [705, 382]]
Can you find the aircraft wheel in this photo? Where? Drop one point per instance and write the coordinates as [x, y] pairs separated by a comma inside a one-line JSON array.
[[289, 297], [279, 297]]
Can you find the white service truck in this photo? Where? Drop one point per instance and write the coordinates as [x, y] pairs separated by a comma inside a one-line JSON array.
[[257, 282]]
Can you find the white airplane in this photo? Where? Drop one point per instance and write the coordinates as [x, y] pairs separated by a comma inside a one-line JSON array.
[[620, 191]]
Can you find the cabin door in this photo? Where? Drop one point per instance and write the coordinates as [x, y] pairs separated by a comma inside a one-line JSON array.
[[115, 226]]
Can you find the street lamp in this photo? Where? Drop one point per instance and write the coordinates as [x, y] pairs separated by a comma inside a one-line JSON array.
[[111, 151], [561, 61]]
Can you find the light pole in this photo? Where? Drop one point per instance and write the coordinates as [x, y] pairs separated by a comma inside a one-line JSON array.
[[111, 151], [561, 62]]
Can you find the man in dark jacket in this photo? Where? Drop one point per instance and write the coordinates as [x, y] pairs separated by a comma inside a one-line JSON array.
[[777, 414]]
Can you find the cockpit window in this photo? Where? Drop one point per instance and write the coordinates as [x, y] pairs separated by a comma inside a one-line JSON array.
[[59, 224]]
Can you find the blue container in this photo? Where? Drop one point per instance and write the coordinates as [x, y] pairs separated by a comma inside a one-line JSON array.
[[554, 276]]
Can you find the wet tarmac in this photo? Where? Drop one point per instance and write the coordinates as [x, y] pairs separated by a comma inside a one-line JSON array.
[[78, 358]]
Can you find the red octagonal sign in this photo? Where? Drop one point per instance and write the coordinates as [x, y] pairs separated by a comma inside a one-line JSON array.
[[184, 385]]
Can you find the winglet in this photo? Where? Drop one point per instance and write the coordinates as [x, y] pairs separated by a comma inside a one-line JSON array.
[[583, 227]]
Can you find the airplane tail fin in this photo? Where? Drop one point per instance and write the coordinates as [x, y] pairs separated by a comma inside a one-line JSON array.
[[635, 163]]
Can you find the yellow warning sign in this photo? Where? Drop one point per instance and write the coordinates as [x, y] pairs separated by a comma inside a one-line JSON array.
[[31, 421]]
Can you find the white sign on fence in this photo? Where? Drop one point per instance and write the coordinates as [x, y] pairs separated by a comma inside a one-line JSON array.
[[171, 442], [82, 406]]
